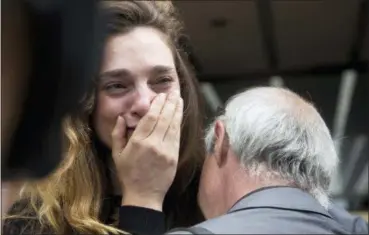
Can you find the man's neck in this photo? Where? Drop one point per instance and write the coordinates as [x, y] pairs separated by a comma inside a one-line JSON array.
[[242, 184]]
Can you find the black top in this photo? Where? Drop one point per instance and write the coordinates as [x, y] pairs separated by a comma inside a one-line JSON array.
[[132, 219]]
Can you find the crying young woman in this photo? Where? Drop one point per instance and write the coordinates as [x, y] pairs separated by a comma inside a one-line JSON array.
[[145, 101]]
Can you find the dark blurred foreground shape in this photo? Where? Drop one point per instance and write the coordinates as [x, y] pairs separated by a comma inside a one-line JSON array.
[[50, 52]]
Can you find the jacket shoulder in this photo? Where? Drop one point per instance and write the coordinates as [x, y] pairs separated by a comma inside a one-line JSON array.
[[352, 223], [272, 221]]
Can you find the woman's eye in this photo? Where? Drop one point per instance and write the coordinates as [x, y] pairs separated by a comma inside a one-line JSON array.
[[163, 80], [114, 86]]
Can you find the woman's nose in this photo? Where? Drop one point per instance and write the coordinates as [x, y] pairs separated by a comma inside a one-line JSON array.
[[143, 98]]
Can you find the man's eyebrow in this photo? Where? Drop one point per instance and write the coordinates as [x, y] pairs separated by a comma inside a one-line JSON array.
[[115, 73]]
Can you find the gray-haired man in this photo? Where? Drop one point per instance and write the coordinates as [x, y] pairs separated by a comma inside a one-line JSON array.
[[269, 165]]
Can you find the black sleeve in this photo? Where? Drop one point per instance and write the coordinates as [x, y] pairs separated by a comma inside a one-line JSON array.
[[141, 221]]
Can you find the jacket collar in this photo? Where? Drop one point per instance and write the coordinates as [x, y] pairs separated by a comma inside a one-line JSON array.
[[281, 197]]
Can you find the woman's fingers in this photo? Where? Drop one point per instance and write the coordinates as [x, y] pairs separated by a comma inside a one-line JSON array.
[[147, 124], [118, 136], [172, 136], [166, 116]]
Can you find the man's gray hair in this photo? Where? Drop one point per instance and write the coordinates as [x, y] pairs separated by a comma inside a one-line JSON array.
[[277, 134]]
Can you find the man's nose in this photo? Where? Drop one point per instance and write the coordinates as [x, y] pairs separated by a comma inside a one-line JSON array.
[[143, 98]]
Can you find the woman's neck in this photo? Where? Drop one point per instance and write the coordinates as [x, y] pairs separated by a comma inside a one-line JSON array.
[[116, 188], [104, 153]]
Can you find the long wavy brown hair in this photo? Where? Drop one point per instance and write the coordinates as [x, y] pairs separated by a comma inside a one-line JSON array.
[[71, 198]]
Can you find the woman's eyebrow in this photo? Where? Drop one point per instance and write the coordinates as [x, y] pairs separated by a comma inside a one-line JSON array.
[[115, 73], [160, 69], [121, 73]]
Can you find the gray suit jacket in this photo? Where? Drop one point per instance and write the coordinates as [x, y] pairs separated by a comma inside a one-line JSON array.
[[274, 210], [352, 223]]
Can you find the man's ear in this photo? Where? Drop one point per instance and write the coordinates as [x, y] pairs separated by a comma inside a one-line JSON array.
[[221, 144]]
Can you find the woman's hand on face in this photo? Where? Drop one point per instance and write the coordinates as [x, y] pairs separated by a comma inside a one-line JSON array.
[[147, 163]]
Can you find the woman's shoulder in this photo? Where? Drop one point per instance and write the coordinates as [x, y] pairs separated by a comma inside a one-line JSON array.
[[20, 219]]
